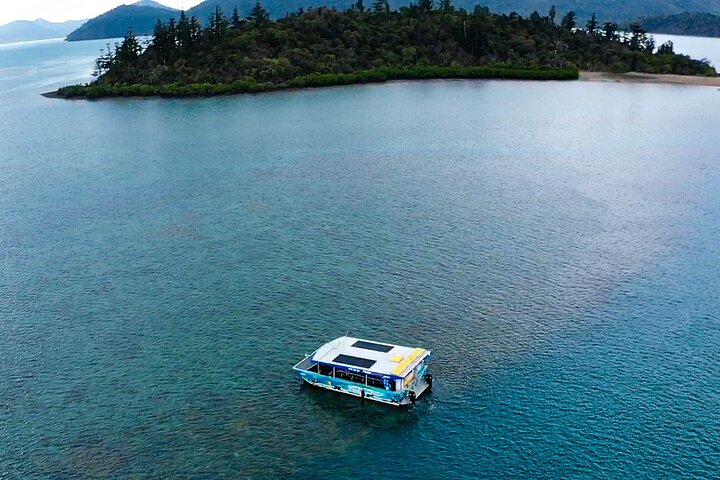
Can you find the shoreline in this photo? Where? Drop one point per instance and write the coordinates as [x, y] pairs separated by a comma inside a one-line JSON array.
[[653, 78], [53, 94], [631, 77], [315, 80]]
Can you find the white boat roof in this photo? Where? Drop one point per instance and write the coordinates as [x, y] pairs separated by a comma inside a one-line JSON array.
[[370, 356]]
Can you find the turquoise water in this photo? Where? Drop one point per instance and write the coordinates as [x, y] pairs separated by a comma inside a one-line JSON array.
[[164, 263]]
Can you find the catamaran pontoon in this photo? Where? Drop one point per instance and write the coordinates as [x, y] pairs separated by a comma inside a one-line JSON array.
[[377, 371]]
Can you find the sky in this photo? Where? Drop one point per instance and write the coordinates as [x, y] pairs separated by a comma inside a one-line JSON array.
[[61, 10]]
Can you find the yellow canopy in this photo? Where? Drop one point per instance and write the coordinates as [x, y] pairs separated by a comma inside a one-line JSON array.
[[402, 366]]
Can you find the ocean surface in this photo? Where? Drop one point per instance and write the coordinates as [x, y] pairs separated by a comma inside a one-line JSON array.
[[164, 263]]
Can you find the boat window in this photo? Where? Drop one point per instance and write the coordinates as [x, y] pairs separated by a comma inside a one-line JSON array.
[[375, 382], [325, 370], [354, 361], [314, 368], [350, 376], [376, 347]]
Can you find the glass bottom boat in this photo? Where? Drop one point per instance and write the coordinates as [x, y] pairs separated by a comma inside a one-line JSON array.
[[381, 372]]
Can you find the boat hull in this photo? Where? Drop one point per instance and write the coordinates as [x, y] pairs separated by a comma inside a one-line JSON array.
[[362, 391]]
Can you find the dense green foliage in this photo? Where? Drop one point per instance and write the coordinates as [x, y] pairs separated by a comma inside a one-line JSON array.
[[701, 24], [116, 22], [324, 47]]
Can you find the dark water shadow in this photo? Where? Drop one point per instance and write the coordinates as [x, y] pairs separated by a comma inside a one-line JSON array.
[[357, 412]]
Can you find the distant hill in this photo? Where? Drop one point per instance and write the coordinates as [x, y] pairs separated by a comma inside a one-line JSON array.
[[141, 17], [25, 31], [617, 10], [276, 8], [700, 24], [151, 3]]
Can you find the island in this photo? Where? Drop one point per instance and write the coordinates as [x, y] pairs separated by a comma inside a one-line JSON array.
[[323, 46]]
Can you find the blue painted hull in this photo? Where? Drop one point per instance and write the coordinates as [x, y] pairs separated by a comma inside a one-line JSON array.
[[370, 393]]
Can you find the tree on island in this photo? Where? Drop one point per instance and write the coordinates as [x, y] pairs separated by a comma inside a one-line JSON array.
[[638, 36], [610, 31], [259, 15], [552, 14], [235, 19], [196, 31], [123, 59], [104, 62], [129, 50], [380, 6], [218, 26], [593, 26], [666, 48], [649, 44], [164, 38], [183, 31], [446, 6], [426, 6], [569, 21]]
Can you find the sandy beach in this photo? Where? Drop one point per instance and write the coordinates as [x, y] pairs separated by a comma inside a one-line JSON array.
[[650, 78]]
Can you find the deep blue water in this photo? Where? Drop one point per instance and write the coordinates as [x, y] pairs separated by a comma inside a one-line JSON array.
[[164, 263]]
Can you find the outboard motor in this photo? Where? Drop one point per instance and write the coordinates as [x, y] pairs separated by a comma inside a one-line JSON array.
[[412, 397], [429, 380]]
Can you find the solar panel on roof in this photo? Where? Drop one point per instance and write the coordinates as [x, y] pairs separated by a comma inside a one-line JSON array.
[[376, 347], [354, 361]]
